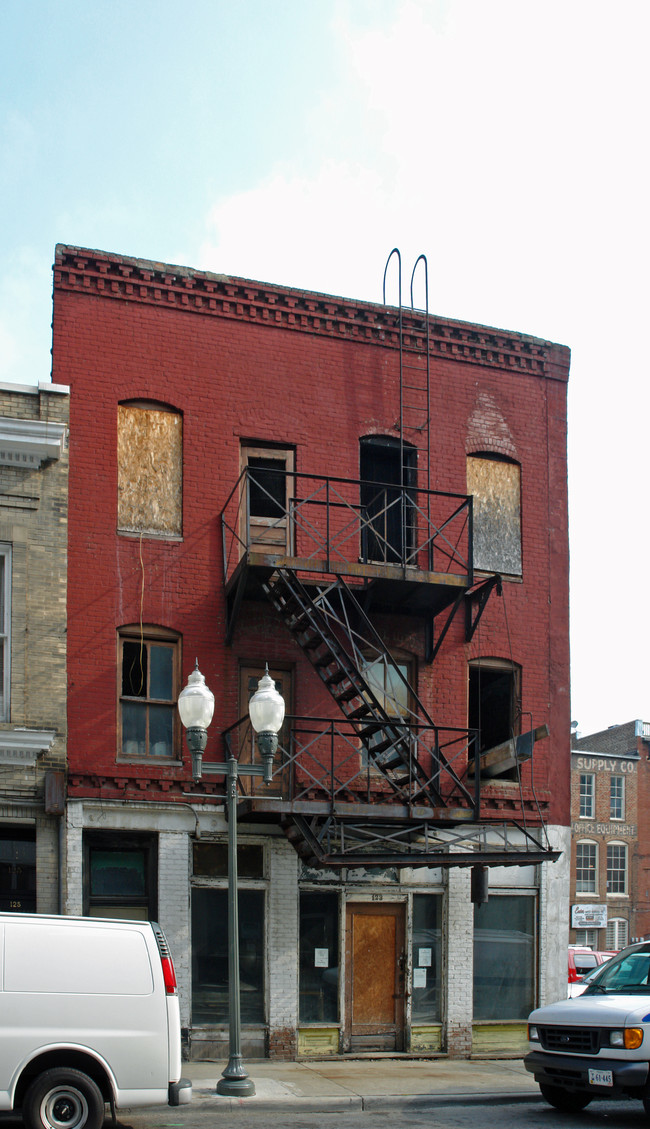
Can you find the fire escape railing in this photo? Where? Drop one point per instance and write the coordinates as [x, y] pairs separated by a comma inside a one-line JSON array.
[[323, 761], [324, 525]]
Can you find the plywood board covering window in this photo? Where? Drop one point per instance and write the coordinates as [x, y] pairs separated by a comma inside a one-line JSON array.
[[496, 488], [150, 470]]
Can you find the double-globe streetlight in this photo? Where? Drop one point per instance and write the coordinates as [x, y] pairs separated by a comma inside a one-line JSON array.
[[266, 711]]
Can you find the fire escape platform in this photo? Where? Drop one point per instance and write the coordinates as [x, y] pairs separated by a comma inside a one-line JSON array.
[[392, 588], [259, 808]]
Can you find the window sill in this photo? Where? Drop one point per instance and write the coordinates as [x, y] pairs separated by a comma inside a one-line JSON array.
[[171, 761], [511, 577], [149, 535]]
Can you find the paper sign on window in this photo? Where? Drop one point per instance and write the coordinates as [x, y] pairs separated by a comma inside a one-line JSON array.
[[321, 958]]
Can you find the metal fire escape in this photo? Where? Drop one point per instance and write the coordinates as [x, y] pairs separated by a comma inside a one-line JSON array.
[[383, 785]]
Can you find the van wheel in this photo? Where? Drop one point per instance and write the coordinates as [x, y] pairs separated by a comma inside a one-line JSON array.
[[568, 1101], [63, 1099]]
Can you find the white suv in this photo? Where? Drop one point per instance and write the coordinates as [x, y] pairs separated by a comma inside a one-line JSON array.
[[598, 1044]]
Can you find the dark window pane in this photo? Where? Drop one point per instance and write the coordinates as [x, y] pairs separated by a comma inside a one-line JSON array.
[[267, 485], [134, 669], [210, 955], [161, 731], [134, 729], [161, 677], [117, 873], [426, 958], [491, 704], [211, 860], [319, 958], [504, 958]]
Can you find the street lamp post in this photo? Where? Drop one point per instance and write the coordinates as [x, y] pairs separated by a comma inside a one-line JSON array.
[[266, 709]]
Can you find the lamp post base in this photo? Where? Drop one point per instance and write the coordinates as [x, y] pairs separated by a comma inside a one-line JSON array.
[[234, 1081]]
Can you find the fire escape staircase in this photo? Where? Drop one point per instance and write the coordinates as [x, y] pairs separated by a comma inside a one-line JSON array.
[[330, 626], [390, 742]]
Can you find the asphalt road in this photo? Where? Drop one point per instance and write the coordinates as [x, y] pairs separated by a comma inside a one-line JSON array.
[[528, 1115]]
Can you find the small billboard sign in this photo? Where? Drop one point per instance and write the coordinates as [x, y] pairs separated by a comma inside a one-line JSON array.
[[588, 917]]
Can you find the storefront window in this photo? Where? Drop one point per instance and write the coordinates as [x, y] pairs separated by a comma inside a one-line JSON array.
[[120, 875], [210, 955], [426, 958], [319, 958], [504, 958]]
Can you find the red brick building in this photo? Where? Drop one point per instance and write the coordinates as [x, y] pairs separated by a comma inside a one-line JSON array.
[[373, 501]]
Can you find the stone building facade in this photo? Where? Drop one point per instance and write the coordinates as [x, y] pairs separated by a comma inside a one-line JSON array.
[[241, 449], [33, 560]]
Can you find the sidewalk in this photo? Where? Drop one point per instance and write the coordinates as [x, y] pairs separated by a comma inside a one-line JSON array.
[[369, 1083]]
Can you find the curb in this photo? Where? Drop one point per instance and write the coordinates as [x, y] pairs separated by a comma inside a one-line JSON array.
[[358, 1104]]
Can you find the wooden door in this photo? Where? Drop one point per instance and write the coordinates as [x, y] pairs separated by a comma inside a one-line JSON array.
[[375, 958], [265, 509]]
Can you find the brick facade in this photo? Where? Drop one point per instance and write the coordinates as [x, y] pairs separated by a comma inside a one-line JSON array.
[[620, 751], [244, 362]]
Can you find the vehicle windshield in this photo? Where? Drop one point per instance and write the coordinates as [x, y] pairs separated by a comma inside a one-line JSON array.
[[628, 973]]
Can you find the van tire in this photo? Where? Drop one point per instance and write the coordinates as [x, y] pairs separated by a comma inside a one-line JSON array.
[[63, 1099], [568, 1101]]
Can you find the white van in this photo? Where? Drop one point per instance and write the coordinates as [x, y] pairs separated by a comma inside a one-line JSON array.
[[89, 1016], [597, 1045]]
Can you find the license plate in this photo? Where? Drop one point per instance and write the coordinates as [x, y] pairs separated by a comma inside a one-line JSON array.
[[601, 1078]]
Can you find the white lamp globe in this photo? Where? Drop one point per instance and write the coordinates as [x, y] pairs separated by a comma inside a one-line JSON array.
[[266, 707], [196, 702]]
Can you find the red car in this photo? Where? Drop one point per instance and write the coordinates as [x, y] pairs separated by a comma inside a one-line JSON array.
[[582, 961]]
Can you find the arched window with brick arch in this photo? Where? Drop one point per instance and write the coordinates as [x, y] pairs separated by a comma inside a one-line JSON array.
[[149, 469], [586, 866], [494, 482]]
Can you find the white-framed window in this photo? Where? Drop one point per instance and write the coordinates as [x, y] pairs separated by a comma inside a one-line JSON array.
[[5, 631], [616, 868], [149, 676], [586, 855], [617, 933], [587, 795], [587, 937], [617, 797]]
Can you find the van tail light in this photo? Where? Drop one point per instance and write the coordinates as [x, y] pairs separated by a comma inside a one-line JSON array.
[[169, 975], [573, 976]]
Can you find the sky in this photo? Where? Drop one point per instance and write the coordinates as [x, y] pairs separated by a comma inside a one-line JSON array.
[[299, 141]]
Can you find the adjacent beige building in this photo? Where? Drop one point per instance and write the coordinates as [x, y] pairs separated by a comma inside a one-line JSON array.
[[33, 567]]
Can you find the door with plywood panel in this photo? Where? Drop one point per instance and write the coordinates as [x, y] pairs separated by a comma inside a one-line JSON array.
[[375, 959]]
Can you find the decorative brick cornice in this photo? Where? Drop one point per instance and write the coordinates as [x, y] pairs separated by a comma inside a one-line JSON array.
[[106, 275]]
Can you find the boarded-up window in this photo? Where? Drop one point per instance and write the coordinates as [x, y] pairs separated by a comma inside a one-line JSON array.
[[495, 485], [150, 470]]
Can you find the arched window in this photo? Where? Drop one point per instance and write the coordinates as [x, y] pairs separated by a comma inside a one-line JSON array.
[[148, 668], [617, 933], [495, 484], [149, 469], [586, 866], [494, 700], [617, 868]]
